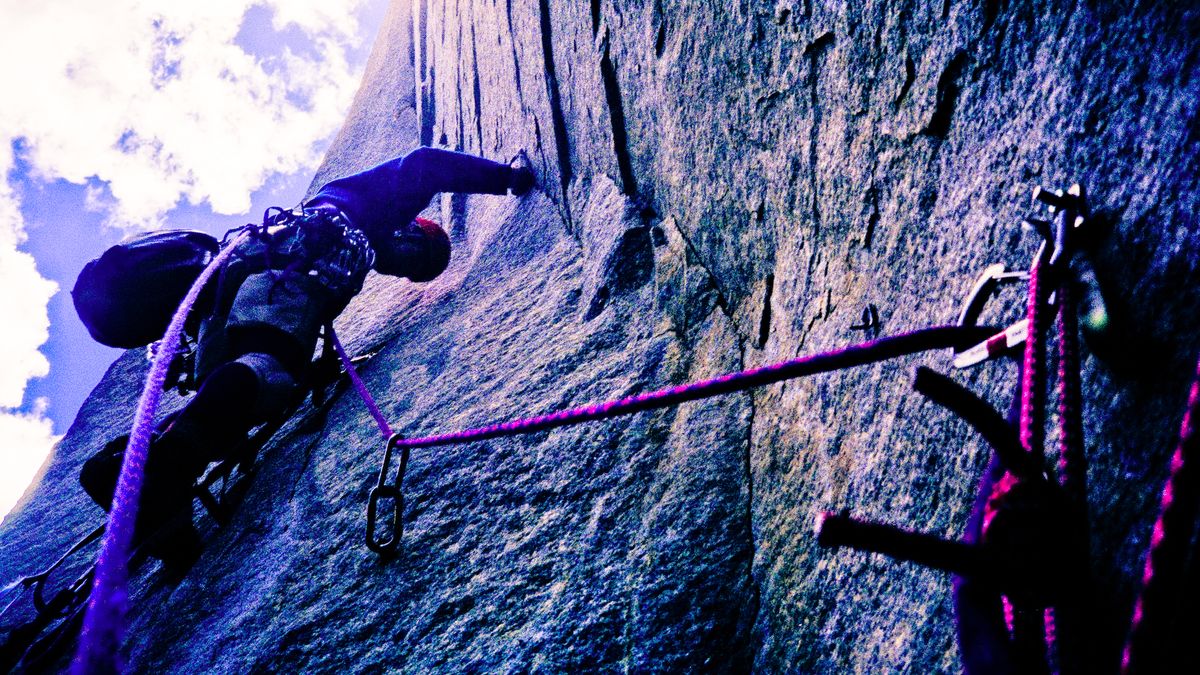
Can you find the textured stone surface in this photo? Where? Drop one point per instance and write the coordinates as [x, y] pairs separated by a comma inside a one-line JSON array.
[[724, 186]]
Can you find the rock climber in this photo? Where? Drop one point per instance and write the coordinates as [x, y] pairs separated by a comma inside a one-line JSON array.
[[255, 343]]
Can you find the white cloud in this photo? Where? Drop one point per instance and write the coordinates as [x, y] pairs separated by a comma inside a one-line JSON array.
[[27, 439], [23, 297], [154, 101], [162, 105]]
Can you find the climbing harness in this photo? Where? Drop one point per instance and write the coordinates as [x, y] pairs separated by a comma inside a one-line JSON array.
[[316, 241]]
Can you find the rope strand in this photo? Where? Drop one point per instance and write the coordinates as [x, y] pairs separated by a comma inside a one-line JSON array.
[[1033, 392], [363, 392], [1072, 460], [104, 624], [1168, 553], [882, 349]]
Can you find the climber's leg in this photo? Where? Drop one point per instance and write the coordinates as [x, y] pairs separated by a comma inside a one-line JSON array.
[[99, 473]]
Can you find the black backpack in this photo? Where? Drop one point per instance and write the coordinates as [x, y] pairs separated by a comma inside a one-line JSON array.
[[127, 296]]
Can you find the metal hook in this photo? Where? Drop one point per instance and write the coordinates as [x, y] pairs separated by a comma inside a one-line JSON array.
[[983, 290], [1058, 240], [1069, 210]]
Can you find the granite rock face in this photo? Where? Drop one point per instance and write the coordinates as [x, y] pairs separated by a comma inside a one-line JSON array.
[[722, 186]]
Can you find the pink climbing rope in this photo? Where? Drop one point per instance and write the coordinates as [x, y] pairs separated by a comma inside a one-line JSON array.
[[104, 624], [1031, 634], [1033, 377], [939, 337], [363, 392], [1165, 562]]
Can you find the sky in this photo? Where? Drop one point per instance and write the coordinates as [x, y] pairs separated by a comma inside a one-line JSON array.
[[193, 115]]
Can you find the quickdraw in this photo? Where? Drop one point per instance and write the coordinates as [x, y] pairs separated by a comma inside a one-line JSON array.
[[874, 351], [387, 543]]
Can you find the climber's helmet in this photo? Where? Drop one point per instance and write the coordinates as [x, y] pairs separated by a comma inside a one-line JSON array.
[[418, 250]]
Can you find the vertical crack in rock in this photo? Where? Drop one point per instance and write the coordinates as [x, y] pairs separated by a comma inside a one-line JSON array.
[[660, 38], [477, 92], [948, 89], [595, 17], [597, 305], [616, 116], [304, 466], [873, 218], [512, 35], [412, 53], [752, 599], [991, 10], [910, 74], [816, 52], [694, 255], [460, 142], [426, 109], [561, 141], [764, 324]]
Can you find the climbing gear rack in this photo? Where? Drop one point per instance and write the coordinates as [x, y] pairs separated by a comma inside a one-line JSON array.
[[1021, 573]]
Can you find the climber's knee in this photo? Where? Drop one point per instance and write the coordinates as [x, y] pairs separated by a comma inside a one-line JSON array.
[[276, 386], [99, 473]]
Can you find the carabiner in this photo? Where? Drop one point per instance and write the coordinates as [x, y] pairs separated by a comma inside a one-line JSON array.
[[984, 288], [395, 531]]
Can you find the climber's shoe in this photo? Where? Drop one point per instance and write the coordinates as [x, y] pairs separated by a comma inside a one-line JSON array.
[[177, 546], [522, 177], [164, 527]]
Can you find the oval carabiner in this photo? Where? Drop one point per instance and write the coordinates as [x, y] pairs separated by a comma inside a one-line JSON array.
[[387, 546], [395, 529]]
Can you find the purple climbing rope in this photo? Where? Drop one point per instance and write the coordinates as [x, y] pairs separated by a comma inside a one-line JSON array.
[[1169, 545], [380, 420], [938, 337], [104, 624]]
